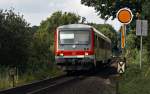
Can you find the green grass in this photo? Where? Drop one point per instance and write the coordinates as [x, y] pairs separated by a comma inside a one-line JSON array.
[[136, 80]]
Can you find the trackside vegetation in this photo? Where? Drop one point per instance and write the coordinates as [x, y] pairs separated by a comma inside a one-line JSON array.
[[136, 80]]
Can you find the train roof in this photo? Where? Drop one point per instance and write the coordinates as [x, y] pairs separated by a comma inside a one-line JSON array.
[[75, 26], [83, 26]]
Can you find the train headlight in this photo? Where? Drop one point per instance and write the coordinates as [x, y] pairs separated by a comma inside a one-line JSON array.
[[61, 54], [86, 53]]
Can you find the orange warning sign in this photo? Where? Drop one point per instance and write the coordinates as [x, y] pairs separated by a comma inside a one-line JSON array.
[[124, 15]]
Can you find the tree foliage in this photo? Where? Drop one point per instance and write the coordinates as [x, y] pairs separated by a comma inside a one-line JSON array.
[[109, 8], [146, 12], [56, 19], [15, 38]]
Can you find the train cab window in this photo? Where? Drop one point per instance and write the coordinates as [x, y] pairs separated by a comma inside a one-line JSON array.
[[66, 37], [82, 37], [74, 37]]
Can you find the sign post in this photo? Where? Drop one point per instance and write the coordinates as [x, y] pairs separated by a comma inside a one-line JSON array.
[[125, 16], [141, 30], [141, 47]]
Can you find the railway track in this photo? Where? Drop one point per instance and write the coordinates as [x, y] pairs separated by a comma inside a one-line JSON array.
[[93, 81], [43, 85], [57, 84], [34, 87]]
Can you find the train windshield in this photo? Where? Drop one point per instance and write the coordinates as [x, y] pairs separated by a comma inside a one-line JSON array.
[[74, 37]]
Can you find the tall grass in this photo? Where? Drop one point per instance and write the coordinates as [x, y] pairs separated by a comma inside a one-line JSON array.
[[4, 78], [31, 72], [136, 80]]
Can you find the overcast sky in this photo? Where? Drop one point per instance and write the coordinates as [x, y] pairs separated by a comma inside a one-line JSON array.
[[35, 11]]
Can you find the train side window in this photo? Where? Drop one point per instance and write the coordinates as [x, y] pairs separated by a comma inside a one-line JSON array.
[[107, 45], [100, 42], [103, 46]]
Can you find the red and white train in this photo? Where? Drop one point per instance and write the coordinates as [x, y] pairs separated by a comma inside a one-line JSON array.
[[80, 47]]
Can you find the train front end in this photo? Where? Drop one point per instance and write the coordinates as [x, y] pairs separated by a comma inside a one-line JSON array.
[[74, 47]]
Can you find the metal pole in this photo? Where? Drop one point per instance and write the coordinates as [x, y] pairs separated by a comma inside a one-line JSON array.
[[141, 53], [141, 49]]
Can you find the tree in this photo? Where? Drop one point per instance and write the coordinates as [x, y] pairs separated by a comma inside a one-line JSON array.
[[109, 8], [15, 38], [146, 13]]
